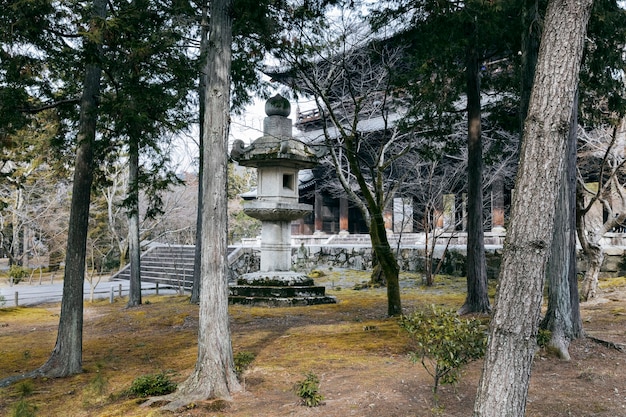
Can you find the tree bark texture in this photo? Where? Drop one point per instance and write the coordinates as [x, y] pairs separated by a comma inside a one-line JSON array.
[[562, 315], [558, 318], [503, 387], [387, 262], [204, 43], [134, 295], [214, 375], [477, 300], [595, 256], [66, 358]]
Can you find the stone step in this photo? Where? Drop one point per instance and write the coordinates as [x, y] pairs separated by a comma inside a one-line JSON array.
[[282, 302], [155, 274], [166, 268], [169, 258], [278, 292]]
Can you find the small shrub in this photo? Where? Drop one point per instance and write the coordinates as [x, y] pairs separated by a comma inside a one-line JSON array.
[[3, 301], [95, 390], [25, 388], [543, 337], [445, 342], [98, 384], [308, 390], [23, 408], [242, 361], [18, 273], [152, 385]]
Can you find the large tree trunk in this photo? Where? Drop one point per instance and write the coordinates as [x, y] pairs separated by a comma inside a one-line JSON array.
[[134, 295], [214, 375], [591, 249], [503, 387], [66, 358], [204, 43], [477, 300], [595, 256], [558, 318], [563, 314]]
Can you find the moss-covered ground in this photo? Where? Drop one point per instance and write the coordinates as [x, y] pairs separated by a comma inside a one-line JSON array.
[[359, 355]]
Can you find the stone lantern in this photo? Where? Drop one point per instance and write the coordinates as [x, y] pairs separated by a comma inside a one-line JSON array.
[[278, 157]]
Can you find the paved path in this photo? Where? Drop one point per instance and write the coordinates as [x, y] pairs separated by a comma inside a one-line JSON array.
[[49, 293]]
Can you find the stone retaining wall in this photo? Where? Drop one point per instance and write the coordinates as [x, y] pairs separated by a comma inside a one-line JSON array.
[[310, 257], [359, 257]]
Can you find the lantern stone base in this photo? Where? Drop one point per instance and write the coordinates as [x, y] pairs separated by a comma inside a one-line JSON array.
[[278, 289]]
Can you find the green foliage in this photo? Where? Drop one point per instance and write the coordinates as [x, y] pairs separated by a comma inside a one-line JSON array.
[[23, 408], [18, 273], [95, 390], [543, 337], [240, 226], [152, 384], [3, 300], [602, 92], [240, 181], [25, 388], [444, 342], [308, 390], [98, 384], [242, 361]]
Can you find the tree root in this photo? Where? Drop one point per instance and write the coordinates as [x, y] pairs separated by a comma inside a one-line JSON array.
[[176, 401], [609, 344], [15, 378]]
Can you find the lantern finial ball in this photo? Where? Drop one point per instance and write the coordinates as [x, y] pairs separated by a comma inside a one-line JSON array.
[[277, 106]]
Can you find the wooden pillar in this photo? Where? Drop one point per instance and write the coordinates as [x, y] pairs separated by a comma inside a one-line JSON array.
[[449, 212], [343, 216], [464, 212], [438, 214], [497, 206], [319, 220], [388, 217]]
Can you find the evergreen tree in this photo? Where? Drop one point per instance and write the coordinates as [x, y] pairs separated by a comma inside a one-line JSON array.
[[145, 101], [66, 358], [214, 375], [512, 342]]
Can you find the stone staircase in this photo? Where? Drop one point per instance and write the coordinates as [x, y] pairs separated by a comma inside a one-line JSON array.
[[169, 265]]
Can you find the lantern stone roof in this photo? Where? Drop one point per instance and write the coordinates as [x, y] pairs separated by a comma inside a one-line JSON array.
[[276, 147]]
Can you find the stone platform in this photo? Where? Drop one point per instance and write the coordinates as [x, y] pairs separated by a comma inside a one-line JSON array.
[[278, 289]]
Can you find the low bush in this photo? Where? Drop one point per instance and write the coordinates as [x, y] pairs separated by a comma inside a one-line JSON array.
[[152, 385], [17, 273], [23, 408], [242, 361], [308, 390], [444, 342]]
